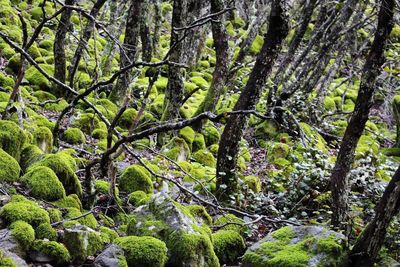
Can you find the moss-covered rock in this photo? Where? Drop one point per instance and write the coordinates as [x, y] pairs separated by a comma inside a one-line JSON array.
[[55, 251], [36, 78], [43, 138], [135, 178], [6, 261], [198, 142], [211, 135], [107, 235], [126, 120], [23, 233], [228, 246], [253, 182], [187, 134], [138, 198], [89, 220], [205, 157], [74, 136], [71, 201], [25, 210], [297, 246], [44, 184], [9, 168], [230, 222], [87, 122], [200, 214], [64, 167], [82, 241], [177, 149], [143, 251], [12, 138], [46, 231]]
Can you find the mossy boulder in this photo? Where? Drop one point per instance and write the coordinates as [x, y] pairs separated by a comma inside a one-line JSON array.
[[135, 178], [187, 134], [56, 252], [7, 261], [87, 122], [253, 183], [211, 135], [46, 231], [198, 142], [43, 138], [138, 198], [297, 246], [228, 246], [205, 157], [23, 233], [38, 79], [230, 222], [44, 184], [82, 241], [89, 220], [9, 168], [143, 251], [188, 240], [74, 136], [12, 138], [64, 166], [21, 209], [177, 149]]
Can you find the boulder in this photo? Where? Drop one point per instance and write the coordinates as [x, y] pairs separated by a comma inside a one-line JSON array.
[[307, 246], [110, 257]]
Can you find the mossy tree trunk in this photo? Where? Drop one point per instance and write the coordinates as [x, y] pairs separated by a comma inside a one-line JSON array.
[[83, 41], [175, 90], [229, 144], [145, 37], [356, 125], [222, 60], [157, 26], [368, 245], [128, 55], [59, 47]]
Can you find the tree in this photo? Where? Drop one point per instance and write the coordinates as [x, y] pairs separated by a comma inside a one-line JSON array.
[[356, 125], [229, 145], [60, 64]]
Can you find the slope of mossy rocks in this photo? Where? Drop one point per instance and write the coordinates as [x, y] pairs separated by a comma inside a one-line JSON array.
[[297, 246]]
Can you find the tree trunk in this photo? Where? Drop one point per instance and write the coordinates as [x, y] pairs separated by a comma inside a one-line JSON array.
[[128, 55], [59, 47], [175, 90], [157, 26], [222, 62], [345, 158], [147, 48], [83, 41], [368, 245], [229, 144]]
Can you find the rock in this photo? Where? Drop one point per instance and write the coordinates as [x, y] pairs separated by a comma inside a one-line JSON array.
[[188, 240], [297, 246], [82, 241], [110, 257], [9, 245], [17, 259]]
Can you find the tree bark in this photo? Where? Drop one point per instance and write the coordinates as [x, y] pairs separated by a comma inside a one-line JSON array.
[[83, 41], [175, 90], [132, 33], [59, 47], [368, 245], [222, 60], [356, 125], [157, 26], [229, 144], [147, 48]]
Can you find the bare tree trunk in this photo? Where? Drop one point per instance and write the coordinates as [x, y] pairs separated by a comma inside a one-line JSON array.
[[157, 26], [147, 48], [59, 47], [345, 158], [83, 41], [128, 55], [174, 91], [229, 144], [222, 54]]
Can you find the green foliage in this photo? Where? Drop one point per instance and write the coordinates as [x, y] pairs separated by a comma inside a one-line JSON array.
[[23, 233], [74, 136], [228, 246], [25, 210], [143, 251], [135, 178], [44, 184]]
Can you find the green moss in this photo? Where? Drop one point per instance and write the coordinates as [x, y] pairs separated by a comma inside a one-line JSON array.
[[177, 149], [46, 231], [191, 248], [6, 261], [74, 136], [88, 220], [211, 135], [161, 84], [329, 245], [205, 157], [40, 120], [366, 145], [143, 251], [12, 138], [223, 221], [318, 139], [200, 214], [228, 246], [99, 134], [395, 33], [257, 45], [107, 235], [135, 178], [102, 186], [71, 201], [43, 138], [284, 234], [86, 122], [24, 210], [36, 78], [148, 227], [198, 142], [200, 82], [64, 167], [127, 118], [187, 133], [44, 184], [6, 81], [23, 233], [56, 251], [14, 63], [266, 130], [55, 215], [138, 198], [329, 104], [9, 168], [253, 182]]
